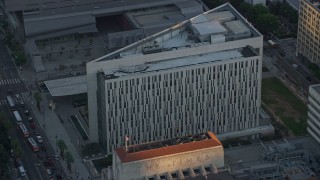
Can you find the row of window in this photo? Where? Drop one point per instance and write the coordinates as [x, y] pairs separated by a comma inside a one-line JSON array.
[[196, 74], [149, 133], [147, 110], [182, 117]]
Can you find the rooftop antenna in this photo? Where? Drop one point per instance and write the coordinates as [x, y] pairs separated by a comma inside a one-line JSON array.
[[126, 139]]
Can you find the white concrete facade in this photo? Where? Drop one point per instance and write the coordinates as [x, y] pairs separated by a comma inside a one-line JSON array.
[[313, 127], [220, 94]]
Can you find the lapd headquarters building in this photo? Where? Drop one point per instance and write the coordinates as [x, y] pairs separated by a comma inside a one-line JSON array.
[[203, 74]]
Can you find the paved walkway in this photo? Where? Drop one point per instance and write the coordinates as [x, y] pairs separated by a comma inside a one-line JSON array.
[[54, 129], [51, 125]]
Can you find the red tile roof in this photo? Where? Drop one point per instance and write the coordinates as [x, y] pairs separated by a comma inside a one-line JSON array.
[[125, 156]]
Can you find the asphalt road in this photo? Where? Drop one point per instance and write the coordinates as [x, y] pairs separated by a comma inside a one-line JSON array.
[[10, 81], [283, 58]]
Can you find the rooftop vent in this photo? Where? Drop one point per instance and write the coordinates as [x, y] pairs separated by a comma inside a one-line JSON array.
[[153, 49], [133, 69]]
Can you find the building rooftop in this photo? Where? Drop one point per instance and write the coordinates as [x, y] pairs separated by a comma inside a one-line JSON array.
[[316, 87], [218, 25], [122, 71], [167, 147], [67, 86]]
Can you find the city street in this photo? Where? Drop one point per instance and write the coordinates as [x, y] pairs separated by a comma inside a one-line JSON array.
[[11, 85], [281, 60]]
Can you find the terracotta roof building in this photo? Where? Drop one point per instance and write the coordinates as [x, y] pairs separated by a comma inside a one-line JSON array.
[[188, 156]]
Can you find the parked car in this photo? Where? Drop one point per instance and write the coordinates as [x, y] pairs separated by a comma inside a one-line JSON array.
[[49, 158], [30, 119], [295, 66], [32, 126], [26, 112], [49, 172], [57, 157], [39, 139]]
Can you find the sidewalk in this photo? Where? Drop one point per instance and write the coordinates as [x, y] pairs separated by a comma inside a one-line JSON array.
[[51, 125]]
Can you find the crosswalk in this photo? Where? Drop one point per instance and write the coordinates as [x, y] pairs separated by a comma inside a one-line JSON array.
[[24, 96], [9, 81]]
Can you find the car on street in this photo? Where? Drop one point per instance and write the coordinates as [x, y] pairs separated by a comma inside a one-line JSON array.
[[30, 119], [295, 66], [49, 172], [39, 139], [32, 126], [57, 157], [26, 112], [12, 153]]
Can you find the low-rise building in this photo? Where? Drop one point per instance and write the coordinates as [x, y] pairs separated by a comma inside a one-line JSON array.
[[189, 156]]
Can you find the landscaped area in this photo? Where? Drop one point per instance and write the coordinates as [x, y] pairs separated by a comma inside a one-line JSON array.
[[80, 129], [99, 164], [285, 105]]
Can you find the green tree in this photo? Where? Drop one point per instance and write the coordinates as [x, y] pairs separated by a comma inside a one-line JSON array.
[[69, 159], [236, 3], [244, 8], [4, 121], [213, 3], [4, 159], [267, 23], [255, 11], [4, 140], [37, 96], [16, 148], [20, 57], [4, 24], [275, 7], [62, 147], [288, 12]]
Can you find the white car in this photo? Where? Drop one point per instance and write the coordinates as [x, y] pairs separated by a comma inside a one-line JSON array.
[[49, 172], [295, 66], [57, 157], [39, 138]]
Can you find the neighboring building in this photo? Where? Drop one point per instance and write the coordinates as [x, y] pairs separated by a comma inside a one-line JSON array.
[[255, 2], [314, 112], [182, 157], [308, 38], [43, 19], [201, 75]]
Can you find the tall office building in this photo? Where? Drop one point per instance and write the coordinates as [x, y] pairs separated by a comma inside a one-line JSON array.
[[313, 127], [308, 40], [203, 74]]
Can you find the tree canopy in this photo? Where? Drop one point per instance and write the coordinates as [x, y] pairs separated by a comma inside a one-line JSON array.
[[62, 146], [267, 23], [255, 11]]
